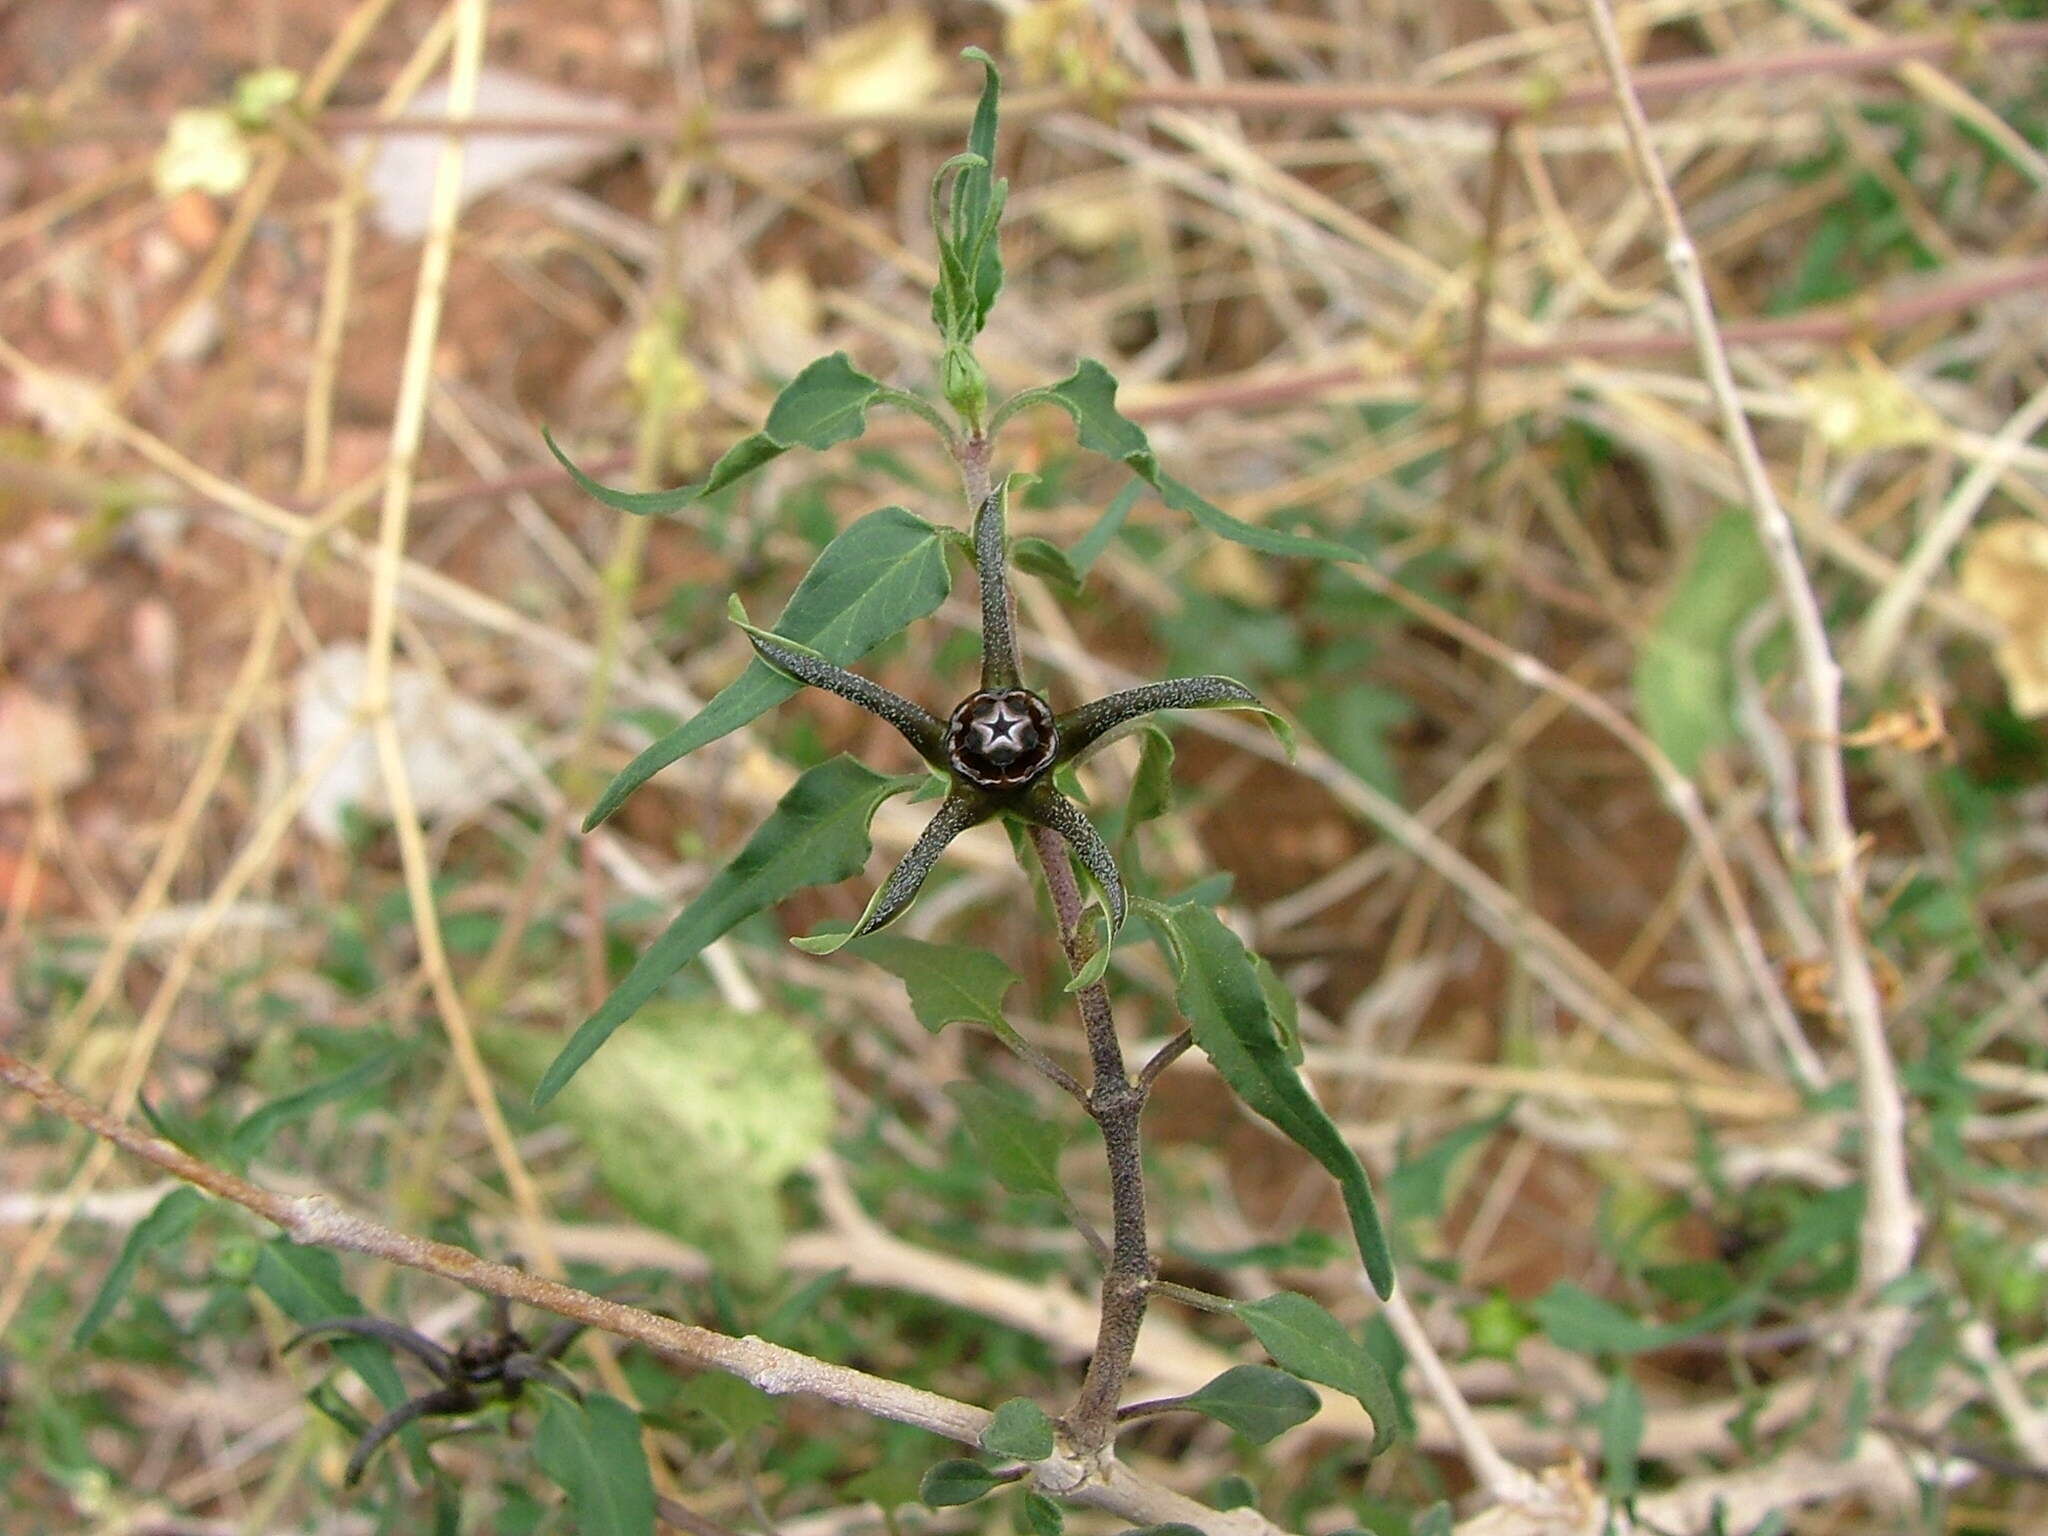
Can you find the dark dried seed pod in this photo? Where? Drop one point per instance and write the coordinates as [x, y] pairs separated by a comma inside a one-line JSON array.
[[1001, 738]]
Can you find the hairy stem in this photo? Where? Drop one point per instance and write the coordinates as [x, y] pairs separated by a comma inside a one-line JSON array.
[[1115, 1102]]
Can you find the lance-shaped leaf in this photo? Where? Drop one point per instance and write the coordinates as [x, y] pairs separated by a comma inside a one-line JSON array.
[[827, 403], [880, 574], [970, 258], [592, 1452], [917, 725], [166, 1224], [1088, 395], [955, 815], [1234, 1025], [946, 982], [1049, 808], [817, 835], [998, 637], [1256, 1401], [1309, 1342], [1082, 728]]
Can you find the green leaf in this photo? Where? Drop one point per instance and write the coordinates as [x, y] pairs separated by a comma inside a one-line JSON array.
[[1576, 1319], [307, 1286], [1417, 1188], [1021, 1429], [167, 1223], [1685, 672], [1310, 1343], [253, 1133], [817, 835], [1437, 1520], [1256, 1401], [1227, 1008], [827, 403], [956, 1482], [1152, 785], [882, 573], [592, 1452], [1038, 1515], [1043, 558], [1021, 1150], [1089, 396], [970, 253], [1171, 1528], [737, 1407], [1621, 1437], [1098, 538], [1283, 1005], [947, 982]]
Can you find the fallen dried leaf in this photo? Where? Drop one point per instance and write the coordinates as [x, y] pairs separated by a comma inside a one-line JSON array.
[[2005, 572], [882, 66], [42, 749]]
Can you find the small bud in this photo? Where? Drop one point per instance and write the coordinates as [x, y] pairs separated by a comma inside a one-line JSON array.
[[964, 385]]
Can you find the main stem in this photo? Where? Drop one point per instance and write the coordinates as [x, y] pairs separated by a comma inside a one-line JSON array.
[[1112, 1099], [1115, 1102]]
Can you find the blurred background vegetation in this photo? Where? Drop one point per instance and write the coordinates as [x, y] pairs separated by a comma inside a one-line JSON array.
[[1627, 1207]]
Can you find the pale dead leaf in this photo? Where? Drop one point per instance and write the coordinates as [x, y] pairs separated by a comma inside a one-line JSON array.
[[1089, 224], [1867, 408], [881, 66], [204, 151], [2005, 572], [42, 749]]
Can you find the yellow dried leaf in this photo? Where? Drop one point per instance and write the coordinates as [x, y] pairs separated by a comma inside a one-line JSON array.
[[2005, 572], [1064, 42], [1231, 570], [1867, 408], [204, 151], [882, 66], [1088, 224]]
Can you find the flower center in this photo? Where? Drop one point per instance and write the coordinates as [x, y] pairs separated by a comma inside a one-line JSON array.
[[1001, 739]]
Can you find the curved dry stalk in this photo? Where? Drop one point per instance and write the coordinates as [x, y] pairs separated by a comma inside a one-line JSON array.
[[1892, 1222]]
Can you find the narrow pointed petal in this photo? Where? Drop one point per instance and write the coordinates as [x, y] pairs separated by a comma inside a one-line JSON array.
[[955, 816], [1081, 728], [991, 564], [425, 1350], [446, 1400], [920, 728], [1049, 808]]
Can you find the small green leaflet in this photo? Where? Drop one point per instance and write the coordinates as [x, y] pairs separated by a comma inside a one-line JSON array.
[[827, 403], [1089, 396], [592, 1452], [1685, 671], [1256, 1401], [166, 1224], [1046, 560], [947, 982], [817, 835], [253, 1133], [1621, 1437], [1021, 1150], [1021, 1429], [1039, 1516], [1099, 538], [956, 1482], [1308, 1342], [1225, 1005], [737, 1407], [880, 575], [1152, 785]]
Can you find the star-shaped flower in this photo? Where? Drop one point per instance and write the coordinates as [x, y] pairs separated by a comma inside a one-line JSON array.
[[1002, 743]]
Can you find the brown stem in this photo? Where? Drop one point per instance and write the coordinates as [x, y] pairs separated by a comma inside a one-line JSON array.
[[1115, 1102], [1459, 479]]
